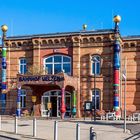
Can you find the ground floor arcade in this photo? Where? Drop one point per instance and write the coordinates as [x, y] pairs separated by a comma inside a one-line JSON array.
[[50, 95]]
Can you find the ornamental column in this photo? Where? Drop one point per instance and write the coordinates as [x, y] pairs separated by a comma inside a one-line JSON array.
[[63, 106], [74, 103], [18, 110], [116, 65], [4, 29]]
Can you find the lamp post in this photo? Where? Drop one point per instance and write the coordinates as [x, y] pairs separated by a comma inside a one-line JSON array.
[[94, 59], [4, 29], [124, 75]]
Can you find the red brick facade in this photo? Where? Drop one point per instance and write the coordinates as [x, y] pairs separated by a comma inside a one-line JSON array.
[[80, 46]]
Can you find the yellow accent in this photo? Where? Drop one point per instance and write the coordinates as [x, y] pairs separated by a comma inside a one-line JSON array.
[[49, 106], [33, 99], [117, 18], [4, 28], [4, 91]]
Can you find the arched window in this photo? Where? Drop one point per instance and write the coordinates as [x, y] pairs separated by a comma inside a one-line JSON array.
[[58, 63], [44, 42], [85, 40], [92, 40], [96, 100], [96, 64], [22, 65]]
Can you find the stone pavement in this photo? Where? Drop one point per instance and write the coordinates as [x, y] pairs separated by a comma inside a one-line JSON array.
[[106, 130]]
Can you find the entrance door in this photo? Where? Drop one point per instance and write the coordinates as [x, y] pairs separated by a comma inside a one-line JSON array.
[[53, 100], [54, 97], [44, 108], [68, 106]]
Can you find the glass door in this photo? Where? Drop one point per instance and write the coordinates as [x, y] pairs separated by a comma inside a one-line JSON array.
[[59, 106], [54, 97], [68, 105], [44, 108]]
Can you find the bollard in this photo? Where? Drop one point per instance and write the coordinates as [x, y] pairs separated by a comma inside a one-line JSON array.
[[16, 119], [0, 122], [55, 130], [77, 131], [34, 127], [93, 135]]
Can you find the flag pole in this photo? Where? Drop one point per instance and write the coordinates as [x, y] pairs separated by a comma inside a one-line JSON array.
[[125, 76]]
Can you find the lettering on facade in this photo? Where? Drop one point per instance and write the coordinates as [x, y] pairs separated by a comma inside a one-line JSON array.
[[51, 78]]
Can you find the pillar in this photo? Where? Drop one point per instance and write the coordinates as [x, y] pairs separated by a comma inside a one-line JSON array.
[[116, 65], [18, 111], [74, 103], [63, 106], [4, 29], [76, 73]]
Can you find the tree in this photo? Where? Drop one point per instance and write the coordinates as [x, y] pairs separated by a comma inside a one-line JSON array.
[[36, 70]]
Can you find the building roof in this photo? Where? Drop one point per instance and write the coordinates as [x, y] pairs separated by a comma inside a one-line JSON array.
[[133, 37], [104, 31]]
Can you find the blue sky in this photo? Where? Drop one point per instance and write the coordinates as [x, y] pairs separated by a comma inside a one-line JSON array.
[[25, 17]]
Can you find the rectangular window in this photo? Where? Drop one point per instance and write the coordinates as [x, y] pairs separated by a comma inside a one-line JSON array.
[[23, 66], [96, 99], [96, 65], [49, 60], [93, 68], [49, 68], [23, 98], [67, 68], [57, 59], [57, 68], [96, 68]]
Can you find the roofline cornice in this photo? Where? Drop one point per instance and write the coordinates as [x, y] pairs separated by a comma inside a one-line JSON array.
[[63, 34], [129, 38]]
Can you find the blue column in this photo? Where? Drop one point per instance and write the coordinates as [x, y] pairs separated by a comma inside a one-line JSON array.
[[18, 111], [3, 76], [116, 65]]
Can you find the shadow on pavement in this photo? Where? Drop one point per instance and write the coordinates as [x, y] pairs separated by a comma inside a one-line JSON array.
[[98, 122], [11, 135], [134, 137], [6, 137]]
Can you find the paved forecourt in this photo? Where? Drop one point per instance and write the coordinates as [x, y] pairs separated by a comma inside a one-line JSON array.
[[66, 129]]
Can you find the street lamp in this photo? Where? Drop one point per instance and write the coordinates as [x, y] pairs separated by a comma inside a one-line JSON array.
[[4, 29], [95, 61]]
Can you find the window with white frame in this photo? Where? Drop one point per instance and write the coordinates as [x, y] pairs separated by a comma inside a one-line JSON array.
[[57, 63], [23, 98], [96, 64], [96, 100], [22, 65]]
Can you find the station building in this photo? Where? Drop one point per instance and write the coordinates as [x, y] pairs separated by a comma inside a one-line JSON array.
[[44, 65]]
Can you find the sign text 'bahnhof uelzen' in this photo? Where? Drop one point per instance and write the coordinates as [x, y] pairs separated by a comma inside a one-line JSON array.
[[41, 78]]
